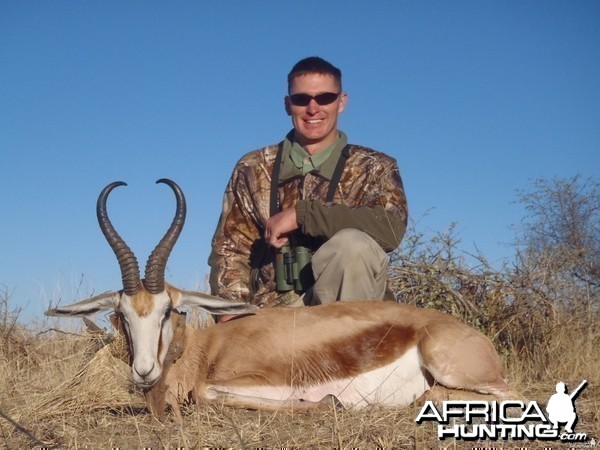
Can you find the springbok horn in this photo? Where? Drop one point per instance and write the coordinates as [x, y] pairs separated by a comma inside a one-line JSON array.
[[130, 271], [154, 280]]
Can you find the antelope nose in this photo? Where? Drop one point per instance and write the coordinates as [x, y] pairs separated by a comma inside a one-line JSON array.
[[143, 373]]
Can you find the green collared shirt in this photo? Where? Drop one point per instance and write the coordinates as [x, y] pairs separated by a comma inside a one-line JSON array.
[[297, 162]]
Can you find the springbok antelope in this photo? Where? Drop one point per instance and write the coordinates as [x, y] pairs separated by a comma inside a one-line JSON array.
[[359, 353]]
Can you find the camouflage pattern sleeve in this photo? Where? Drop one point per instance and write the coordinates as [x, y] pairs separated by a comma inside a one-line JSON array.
[[232, 242], [237, 245]]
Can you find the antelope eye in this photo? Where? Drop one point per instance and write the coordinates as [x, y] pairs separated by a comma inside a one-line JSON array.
[[123, 319], [166, 315]]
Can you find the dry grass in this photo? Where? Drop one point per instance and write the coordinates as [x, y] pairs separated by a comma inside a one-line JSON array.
[[69, 391]]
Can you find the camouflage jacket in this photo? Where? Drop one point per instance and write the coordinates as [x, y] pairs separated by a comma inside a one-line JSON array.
[[370, 197]]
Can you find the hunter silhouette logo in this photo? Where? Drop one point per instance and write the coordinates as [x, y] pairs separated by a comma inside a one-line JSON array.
[[561, 408], [509, 419]]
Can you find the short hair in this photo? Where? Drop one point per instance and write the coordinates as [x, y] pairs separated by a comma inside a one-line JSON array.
[[314, 64]]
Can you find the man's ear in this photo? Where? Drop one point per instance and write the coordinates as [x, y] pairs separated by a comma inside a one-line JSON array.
[[343, 102], [286, 102]]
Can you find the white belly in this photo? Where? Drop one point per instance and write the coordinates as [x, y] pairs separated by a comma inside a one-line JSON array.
[[396, 384]]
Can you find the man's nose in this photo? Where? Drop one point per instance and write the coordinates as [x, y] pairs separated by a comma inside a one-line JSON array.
[[312, 107]]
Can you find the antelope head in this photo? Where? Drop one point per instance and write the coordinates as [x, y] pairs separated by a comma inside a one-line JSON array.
[[144, 305]]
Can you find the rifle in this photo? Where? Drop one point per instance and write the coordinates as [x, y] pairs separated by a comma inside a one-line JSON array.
[[579, 388]]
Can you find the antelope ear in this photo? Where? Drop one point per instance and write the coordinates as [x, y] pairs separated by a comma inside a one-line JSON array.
[[213, 305], [102, 302], [116, 323]]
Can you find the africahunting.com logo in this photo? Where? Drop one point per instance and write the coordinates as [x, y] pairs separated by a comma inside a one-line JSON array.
[[515, 420]]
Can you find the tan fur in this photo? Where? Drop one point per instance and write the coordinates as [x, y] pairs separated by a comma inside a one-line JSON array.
[[309, 346], [360, 352], [157, 396], [142, 303]]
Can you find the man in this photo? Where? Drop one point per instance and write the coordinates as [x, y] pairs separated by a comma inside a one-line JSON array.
[[560, 406], [341, 203]]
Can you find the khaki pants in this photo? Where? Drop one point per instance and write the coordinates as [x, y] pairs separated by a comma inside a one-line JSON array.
[[349, 266]]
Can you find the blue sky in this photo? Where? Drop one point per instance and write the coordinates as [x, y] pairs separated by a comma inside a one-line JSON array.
[[474, 99]]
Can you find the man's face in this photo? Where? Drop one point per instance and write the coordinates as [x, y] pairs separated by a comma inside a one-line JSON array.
[[315, 125]]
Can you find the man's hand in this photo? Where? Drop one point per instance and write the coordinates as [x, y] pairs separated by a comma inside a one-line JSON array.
[[279, 225]]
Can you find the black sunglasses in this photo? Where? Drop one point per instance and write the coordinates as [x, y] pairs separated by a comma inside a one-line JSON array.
[[325, 98]]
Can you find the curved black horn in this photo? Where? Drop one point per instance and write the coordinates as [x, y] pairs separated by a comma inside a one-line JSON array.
[[130, 271], [157, 261]]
